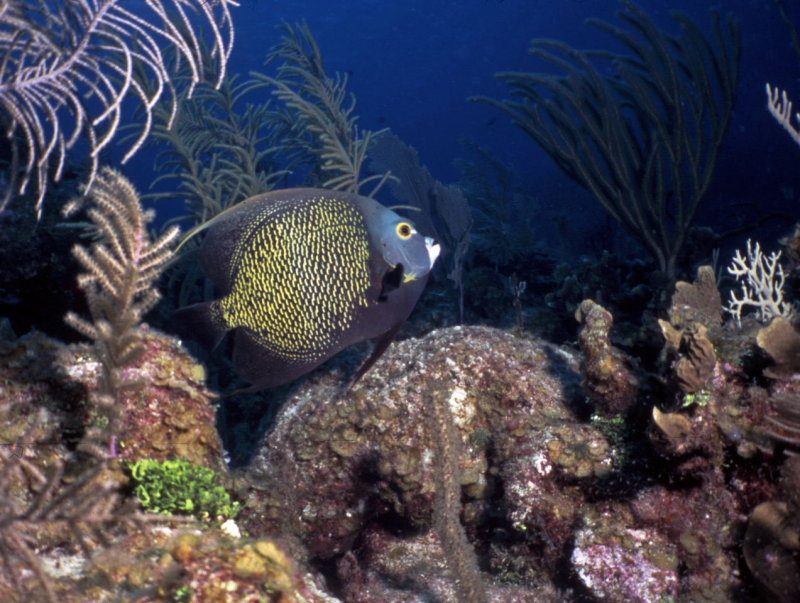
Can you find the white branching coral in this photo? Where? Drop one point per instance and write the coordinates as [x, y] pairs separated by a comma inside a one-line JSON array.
[[780, 106], [762, 280]]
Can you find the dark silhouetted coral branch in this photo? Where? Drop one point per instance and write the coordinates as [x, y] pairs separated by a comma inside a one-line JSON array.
[[643, 133], [461, 560], [36, 498], [80, 59]]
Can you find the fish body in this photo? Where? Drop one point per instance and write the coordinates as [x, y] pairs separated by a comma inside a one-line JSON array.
[[303, 274]]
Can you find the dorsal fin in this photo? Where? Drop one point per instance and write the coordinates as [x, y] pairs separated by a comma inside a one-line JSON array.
[[209, 223]]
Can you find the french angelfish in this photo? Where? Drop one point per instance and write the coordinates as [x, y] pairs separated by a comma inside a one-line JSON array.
[[305, 273]]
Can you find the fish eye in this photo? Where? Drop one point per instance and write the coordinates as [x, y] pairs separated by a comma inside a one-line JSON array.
[[404, 230]]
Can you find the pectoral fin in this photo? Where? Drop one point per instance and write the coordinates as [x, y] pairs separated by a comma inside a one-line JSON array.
[[391, 281]]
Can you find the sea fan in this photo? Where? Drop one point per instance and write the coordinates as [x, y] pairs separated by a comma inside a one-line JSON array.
[[66, 66]]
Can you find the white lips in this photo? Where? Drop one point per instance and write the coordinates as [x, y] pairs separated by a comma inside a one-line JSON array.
[[434, 249]]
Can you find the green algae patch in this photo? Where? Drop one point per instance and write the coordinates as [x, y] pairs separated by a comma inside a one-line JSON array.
[[181, 488]]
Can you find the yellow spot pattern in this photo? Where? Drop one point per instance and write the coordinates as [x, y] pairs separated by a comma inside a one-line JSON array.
[[300, 272]]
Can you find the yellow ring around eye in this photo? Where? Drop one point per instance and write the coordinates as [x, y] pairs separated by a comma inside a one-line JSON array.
[[404, 230]]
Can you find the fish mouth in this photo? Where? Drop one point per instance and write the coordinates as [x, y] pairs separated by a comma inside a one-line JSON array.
[[434, 249], [413, 265]]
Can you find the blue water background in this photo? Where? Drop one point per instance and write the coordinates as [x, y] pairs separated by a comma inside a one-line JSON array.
[[413, 65]]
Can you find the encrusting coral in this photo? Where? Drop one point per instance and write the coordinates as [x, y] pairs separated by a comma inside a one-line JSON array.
[[46, 387], [339, 462], [355, 478], [609, 379]]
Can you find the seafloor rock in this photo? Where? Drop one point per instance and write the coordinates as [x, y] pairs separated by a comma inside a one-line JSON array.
[[172, 415], [334, 458], [168, 415], [617, 563], [334, 461], [701, 522], [353, 475], [191, 562], [45, 404], [413, 569], [200, 567]]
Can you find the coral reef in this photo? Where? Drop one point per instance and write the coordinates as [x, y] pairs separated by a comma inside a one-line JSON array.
[[642, 564], [169, 416], [317, 449], [470, 443], [208, 567], [472, 464], [355, 479], [770, 547], [643, 500], [50, 489], [697, 302]]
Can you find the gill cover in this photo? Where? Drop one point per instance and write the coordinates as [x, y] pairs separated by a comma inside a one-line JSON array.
[[402, 246]]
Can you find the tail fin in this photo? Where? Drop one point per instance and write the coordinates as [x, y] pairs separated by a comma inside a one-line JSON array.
[[201, 322]]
